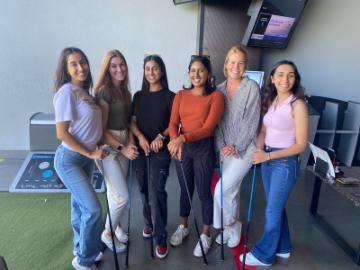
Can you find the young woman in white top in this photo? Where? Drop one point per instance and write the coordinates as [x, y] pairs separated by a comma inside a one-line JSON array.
[[79, 127]]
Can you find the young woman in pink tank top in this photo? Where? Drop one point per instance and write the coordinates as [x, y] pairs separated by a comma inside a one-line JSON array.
[[283, 136]]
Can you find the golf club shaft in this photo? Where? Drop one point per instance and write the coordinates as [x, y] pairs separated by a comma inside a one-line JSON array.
[[148, 180], [192, 209], [99, 164], [222, 256], [130, 180], [249, 216]]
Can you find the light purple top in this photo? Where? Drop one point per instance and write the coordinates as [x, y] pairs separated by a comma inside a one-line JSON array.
[[74, 104], [280, 126]]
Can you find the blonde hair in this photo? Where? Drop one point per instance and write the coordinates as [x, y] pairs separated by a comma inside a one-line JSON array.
[[104, 82], [231, 51]]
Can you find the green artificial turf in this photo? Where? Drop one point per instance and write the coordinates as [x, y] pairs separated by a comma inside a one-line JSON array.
[[35, 231]]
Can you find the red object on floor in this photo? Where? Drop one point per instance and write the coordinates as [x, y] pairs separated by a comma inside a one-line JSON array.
[[236, 251], [214, 180]]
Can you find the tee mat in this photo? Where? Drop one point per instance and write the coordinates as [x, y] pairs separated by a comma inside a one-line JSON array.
[[37, 174]]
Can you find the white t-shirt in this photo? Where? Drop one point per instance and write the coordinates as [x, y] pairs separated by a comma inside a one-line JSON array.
[[75, 105]]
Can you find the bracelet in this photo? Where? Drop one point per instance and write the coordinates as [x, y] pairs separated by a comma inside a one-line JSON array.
[[269, 156]]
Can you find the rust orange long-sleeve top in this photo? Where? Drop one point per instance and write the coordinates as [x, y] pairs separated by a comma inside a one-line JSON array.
[[198, 115]]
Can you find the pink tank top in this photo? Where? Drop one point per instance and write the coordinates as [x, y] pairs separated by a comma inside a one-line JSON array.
[[280, 126]]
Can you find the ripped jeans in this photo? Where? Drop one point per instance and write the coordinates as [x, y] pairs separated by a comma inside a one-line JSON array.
[[153, 193]]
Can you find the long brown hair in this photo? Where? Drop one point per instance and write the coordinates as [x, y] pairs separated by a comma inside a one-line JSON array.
[[269, 92], [104, 82], [62, 75]]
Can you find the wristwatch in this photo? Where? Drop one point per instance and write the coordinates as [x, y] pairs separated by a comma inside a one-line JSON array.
[[120, 147], [162, 136]]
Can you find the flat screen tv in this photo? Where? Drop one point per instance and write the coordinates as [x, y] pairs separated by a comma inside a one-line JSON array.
[[272, 23]]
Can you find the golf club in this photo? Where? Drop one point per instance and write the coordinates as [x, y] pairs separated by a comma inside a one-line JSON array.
[[222, 257], [99, 164], [249, 216], [130, 182], [192, 209], [148, 180]]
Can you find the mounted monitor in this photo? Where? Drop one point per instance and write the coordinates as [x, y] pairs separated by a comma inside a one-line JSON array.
[[272, 22], [257, 76]]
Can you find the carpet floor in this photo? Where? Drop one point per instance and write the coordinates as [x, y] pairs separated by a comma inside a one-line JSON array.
[[35, 230]]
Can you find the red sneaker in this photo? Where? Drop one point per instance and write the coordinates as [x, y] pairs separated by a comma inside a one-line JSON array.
[[147, 232], [161, 251]]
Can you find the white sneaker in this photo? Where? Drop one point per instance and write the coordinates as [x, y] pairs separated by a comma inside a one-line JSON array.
[[283, 255], [98, 258], [252, 260], [179, 235], [77, 266], [120, 247], [121, 235], [234, 232], [206, 243], [226, 237]]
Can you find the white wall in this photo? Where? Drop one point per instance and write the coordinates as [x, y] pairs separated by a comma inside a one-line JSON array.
[[32, 34], [325, 47]]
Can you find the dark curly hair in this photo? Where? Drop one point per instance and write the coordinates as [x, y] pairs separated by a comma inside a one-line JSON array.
[[269, 92]]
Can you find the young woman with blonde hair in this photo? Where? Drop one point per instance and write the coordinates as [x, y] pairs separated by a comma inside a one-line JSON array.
[[235, 140], [114, 97]]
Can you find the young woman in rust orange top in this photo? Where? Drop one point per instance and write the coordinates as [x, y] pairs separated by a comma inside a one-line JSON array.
[[194, 116]]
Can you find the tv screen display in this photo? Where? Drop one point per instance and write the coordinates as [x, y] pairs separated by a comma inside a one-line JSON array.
[[257, 76], [273, 23]]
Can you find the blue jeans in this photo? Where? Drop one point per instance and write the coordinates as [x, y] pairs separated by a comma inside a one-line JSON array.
[[279, 177], [75, 172]]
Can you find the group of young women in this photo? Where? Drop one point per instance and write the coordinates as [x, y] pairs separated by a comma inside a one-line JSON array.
[[192, 127]]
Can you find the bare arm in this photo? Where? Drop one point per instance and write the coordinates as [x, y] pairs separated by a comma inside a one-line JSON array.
[[300, 115], [260, 140]]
